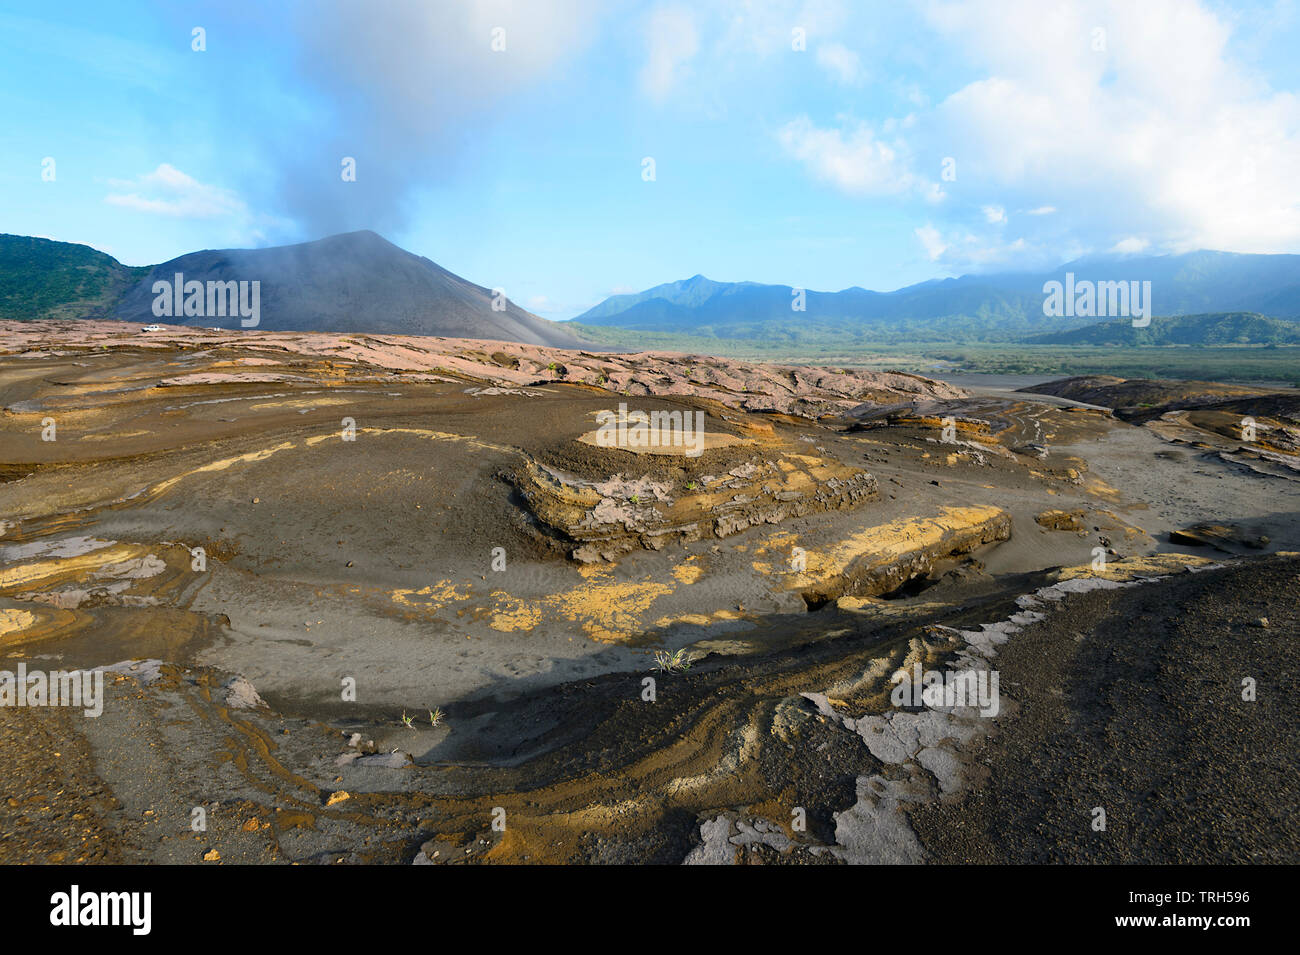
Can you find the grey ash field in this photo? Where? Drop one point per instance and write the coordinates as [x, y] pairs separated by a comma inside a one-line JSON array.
[[430, 521]]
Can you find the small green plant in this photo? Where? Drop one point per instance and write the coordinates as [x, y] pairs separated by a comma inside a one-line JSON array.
[[435, 716], [676, 661], [407, 720], [690, 485], [635, 499], [552, 366]]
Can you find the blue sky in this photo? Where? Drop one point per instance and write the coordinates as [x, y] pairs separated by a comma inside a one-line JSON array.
[[1069, 128]]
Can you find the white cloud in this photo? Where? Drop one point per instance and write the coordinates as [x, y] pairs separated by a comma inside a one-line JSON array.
[[841, 62], [1162, 133], [854, 159], [169, 192], [1040, 211], [961, 250], [995, 215], [758, 29], [671, 41], [1130, 245], [932, 240], [714, 49]]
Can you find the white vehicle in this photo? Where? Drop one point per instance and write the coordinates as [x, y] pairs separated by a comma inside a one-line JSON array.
[[152, 328]]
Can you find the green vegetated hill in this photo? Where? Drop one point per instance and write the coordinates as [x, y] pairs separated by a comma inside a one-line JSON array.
[[41, 278], [1220, 328]]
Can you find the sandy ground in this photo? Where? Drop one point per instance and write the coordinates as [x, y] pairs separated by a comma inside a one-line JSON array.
[[1181, 486]]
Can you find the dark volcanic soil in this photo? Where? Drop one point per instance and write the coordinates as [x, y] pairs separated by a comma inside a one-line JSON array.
[[1132, 701], [378, 599]]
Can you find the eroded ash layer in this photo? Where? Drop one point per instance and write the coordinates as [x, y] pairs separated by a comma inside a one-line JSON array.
[[350, 496]]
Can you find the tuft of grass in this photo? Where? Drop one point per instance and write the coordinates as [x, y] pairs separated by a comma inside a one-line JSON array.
[[675, 661], [436, 716]]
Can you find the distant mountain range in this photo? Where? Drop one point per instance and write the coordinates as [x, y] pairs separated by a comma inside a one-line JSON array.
[[355, 282], [360, 282], [995, 307]]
